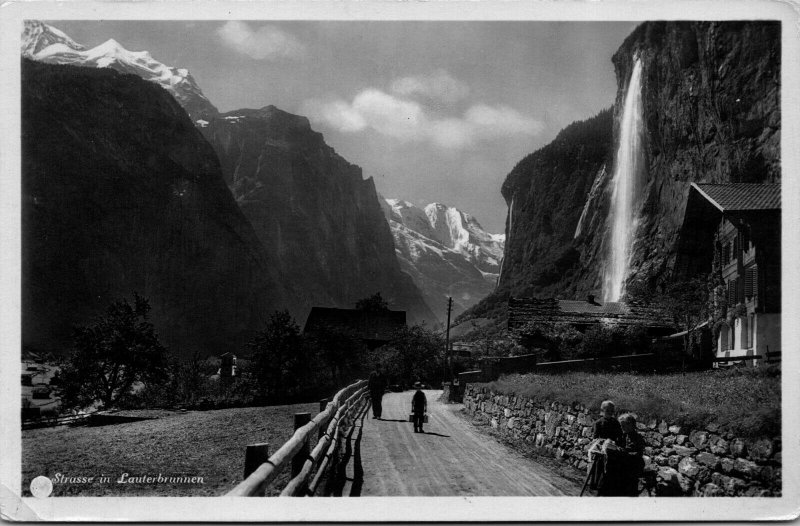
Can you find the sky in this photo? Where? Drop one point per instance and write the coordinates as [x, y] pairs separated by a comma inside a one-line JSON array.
[[433, 111]]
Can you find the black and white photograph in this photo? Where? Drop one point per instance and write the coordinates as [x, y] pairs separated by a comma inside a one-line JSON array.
[[469, 261]]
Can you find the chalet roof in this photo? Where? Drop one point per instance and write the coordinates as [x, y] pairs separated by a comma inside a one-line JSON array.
[[533, 310], [739, 197], [368, 325]]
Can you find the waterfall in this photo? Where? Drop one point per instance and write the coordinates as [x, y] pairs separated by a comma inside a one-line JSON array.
[[505, 242], [626, 186]]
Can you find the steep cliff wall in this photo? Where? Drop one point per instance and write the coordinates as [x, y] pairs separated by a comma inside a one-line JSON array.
[[121, 193], [546, 193], [711, 96], [312, 210]]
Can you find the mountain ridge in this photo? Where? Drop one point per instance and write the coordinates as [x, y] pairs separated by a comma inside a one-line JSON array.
[[44, 43], [445, 251]]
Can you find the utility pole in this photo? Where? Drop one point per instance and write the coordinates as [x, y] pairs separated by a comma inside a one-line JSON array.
[[447, 339]]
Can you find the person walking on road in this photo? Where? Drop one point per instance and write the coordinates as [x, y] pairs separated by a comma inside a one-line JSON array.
[[376, 386], [419, 405]]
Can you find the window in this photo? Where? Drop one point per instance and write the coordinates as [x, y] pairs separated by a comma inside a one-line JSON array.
[[732, 297], [751, 282], [726, 253]]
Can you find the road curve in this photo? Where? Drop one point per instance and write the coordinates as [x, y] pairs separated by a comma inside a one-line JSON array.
[[450, 459]]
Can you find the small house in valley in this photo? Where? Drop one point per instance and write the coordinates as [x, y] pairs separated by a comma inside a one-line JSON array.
[[733, 232], [373, 327]]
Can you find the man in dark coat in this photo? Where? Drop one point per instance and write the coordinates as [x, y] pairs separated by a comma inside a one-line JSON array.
[[376, 386], [419, 405]]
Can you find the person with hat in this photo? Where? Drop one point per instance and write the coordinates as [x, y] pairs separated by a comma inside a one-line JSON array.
[[419, 405]]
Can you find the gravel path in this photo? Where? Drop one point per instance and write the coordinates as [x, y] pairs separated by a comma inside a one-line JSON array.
[[450, 459]]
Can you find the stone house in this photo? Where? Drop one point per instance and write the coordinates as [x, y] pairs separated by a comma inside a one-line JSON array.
[[733, 231], [583, 314]]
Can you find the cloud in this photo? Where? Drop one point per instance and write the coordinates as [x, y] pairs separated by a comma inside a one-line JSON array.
[[264, 43], [408, 121], [437, 86]]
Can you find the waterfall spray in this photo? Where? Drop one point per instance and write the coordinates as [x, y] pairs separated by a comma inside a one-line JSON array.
[[626, 187]]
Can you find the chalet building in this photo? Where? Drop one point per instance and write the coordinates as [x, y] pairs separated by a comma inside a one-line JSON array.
[[374, 328], [585, 314], [733, 231]]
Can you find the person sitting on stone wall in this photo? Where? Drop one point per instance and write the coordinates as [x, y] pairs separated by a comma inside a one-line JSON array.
[[624, 461], [606, 429], [607, 425]]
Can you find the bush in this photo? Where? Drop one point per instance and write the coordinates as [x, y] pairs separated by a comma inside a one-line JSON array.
[[414, 354]]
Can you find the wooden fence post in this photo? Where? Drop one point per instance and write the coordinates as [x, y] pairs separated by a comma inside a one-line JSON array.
[[323, 404], [300, 419], [254, 456]]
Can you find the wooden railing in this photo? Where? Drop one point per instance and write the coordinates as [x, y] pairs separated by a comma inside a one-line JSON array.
[[308, 469]]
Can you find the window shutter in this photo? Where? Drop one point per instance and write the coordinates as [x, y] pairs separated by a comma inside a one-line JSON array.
[[750, 282], [732, 293]]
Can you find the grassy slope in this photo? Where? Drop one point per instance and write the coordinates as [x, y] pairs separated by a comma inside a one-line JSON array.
[[743, 401], [210, 444]]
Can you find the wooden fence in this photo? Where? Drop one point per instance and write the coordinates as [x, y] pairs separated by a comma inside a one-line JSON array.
[[308, 469]]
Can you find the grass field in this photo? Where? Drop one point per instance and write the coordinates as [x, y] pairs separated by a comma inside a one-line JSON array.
[[745, 401], [207, 444]]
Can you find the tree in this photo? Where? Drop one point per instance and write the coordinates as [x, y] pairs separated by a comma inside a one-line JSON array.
[[278, 353], [686, 302], [341, 349], [374, 303], [414, 353], [110, 356]]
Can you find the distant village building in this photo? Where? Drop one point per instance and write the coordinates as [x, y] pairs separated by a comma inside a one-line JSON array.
[[524, 312], [374, 328], [227, 368], [734, 232]]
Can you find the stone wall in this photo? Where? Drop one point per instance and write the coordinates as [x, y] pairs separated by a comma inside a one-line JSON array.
[[688, 462]]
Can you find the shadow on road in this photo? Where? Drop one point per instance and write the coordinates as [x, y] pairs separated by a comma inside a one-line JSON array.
[[358, 469], [435, 434], [391, 420]]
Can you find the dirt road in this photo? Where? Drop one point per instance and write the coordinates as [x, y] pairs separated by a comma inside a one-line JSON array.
[[450, 459]]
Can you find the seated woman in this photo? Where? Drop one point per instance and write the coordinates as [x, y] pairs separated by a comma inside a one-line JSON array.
[[624, 464], [605, 429]]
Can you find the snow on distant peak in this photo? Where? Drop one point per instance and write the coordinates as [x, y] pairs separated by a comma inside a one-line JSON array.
[[451, 228], [37, 36], [445, 251], [45, 43]]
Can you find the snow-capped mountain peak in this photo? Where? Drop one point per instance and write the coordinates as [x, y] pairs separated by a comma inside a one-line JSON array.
[[45, 43], [445, 251], [37, 36]]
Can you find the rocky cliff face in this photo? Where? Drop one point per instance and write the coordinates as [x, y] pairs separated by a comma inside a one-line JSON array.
[[712, 114], [121, 193], [320, 222], [446, 252], [546, 193], [319, 219], [711, 97]]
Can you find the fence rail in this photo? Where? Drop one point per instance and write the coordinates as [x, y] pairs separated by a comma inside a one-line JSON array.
[[339, 413]]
